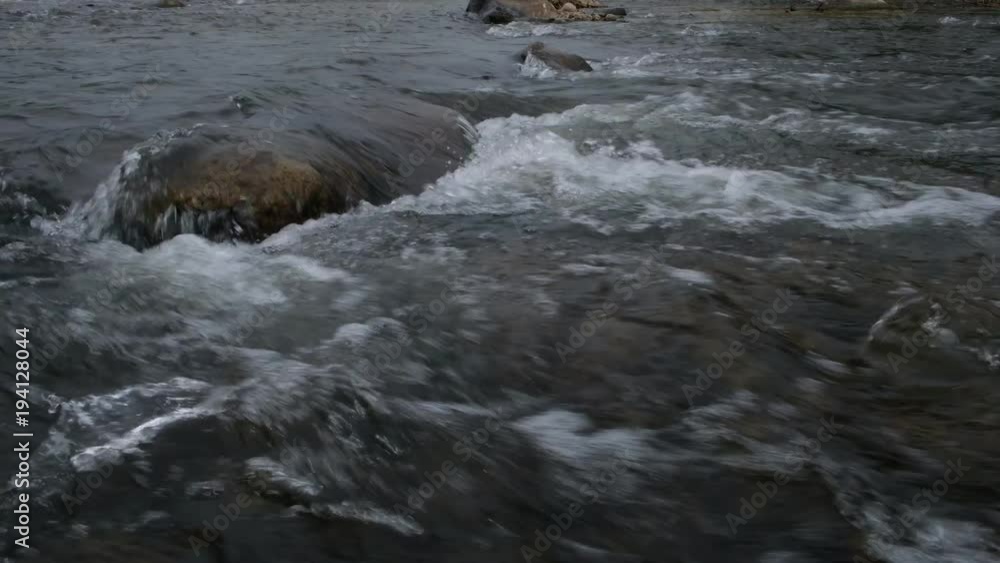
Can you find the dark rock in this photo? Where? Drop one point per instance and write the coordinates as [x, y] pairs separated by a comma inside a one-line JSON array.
[[170, 4], [498, 16], [614, 11], [555, 58], [505, 11]]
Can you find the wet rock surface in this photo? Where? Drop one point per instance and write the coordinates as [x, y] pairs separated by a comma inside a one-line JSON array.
[[554, 58], [244, 183], [501, 11]]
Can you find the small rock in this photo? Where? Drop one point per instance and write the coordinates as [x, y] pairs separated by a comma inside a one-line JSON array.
[[568, 7], [554, 58], [615, 11], [170, 4], [611, 17]]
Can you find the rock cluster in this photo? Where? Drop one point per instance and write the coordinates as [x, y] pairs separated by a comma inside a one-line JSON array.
[[558, 4], [579, 15], [573, 10], [506, 11]]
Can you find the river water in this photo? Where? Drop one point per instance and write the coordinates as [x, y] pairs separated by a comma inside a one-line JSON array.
[[730, 297]]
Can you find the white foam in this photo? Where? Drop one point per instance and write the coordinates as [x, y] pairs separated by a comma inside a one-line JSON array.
[[354, 334], [569, 437], [524, 29], [693, 277], [524, 163], [575, 164], [95, 457], [91, 218], [533, 67], [634, 66], [371, 515], [934, 540]]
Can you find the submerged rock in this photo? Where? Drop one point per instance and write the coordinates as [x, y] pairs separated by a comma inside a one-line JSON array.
[[245, 183], [170, 4], [554, 58]]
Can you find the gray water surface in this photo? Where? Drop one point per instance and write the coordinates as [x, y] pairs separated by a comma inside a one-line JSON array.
[[752, 253]]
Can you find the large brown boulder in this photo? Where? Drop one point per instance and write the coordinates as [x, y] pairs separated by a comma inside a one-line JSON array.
[[249, 180], [263, 194]]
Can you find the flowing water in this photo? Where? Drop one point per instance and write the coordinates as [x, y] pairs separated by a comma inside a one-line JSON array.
[[730, 297]]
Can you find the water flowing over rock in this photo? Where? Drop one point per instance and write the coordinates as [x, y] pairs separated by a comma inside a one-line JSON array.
[[247, 181], [554, 58]]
